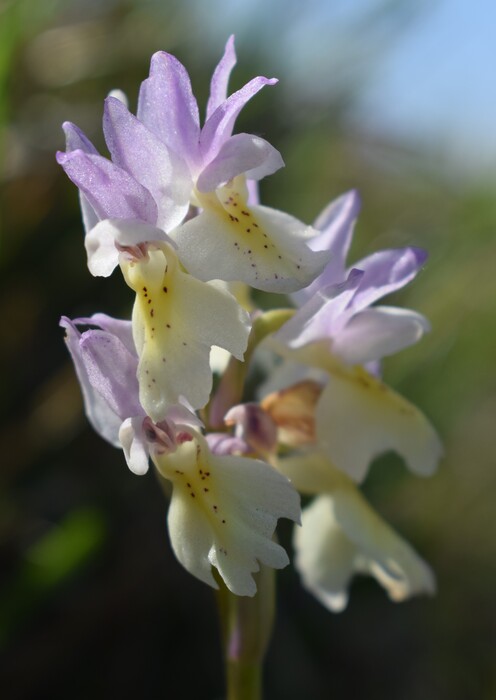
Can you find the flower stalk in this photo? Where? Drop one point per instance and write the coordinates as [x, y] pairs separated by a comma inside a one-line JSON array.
[[246, 625]]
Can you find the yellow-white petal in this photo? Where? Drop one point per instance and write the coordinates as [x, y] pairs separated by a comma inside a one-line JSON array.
[[312, 473], [358, 418], [223, 513], [341, 535], [176, 320], [233, 241]]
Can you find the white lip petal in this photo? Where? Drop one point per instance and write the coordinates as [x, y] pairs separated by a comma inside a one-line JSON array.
[[223, 513], [324, 556], [341, 535], [176, 321], [232, 241], [359, 418]]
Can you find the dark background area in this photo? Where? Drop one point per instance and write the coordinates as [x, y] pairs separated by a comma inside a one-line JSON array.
[[92, 601]]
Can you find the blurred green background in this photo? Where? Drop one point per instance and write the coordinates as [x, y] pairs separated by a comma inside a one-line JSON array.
[[92, 602]]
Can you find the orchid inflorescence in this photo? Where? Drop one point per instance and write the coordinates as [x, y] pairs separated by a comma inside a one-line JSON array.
[[177, 209]]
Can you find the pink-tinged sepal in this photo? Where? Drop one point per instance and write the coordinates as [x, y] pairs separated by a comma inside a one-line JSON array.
[[219, 126], [334, 231], [168, 108], [111, 191], [75, 140], [106, 370], [220, 78], [240, 154], [141, 153]]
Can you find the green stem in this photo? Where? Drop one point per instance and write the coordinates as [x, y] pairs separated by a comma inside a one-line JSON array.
[[246, 622], [247, 626], [244, 681]]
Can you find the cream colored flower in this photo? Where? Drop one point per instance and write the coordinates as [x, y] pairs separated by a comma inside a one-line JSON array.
[[341, 535], [223, 513]]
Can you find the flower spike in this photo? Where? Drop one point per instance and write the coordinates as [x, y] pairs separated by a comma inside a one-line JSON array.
[[176, 207]]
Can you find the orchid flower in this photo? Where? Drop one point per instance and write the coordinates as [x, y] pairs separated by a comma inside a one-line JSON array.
[[163, 162], [342, 535], [177, 318], [230, 239], [224, 508], [223, 513], [133, 206], [338, 331], [176, 207]]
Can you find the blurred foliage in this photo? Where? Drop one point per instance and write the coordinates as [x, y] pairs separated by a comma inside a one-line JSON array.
[[47, 563], [92, 602]]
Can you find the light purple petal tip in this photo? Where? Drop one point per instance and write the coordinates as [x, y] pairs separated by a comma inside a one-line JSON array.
[[242, 153], [335, 223], [110, 190], [420, 254], [344, 208], [138, 151], [106, 365], [387, 271], [167, 106], [102, 417], [75, 139], [112, 371], [219, 126], [323, 316], [220, 77], [121, 328]]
